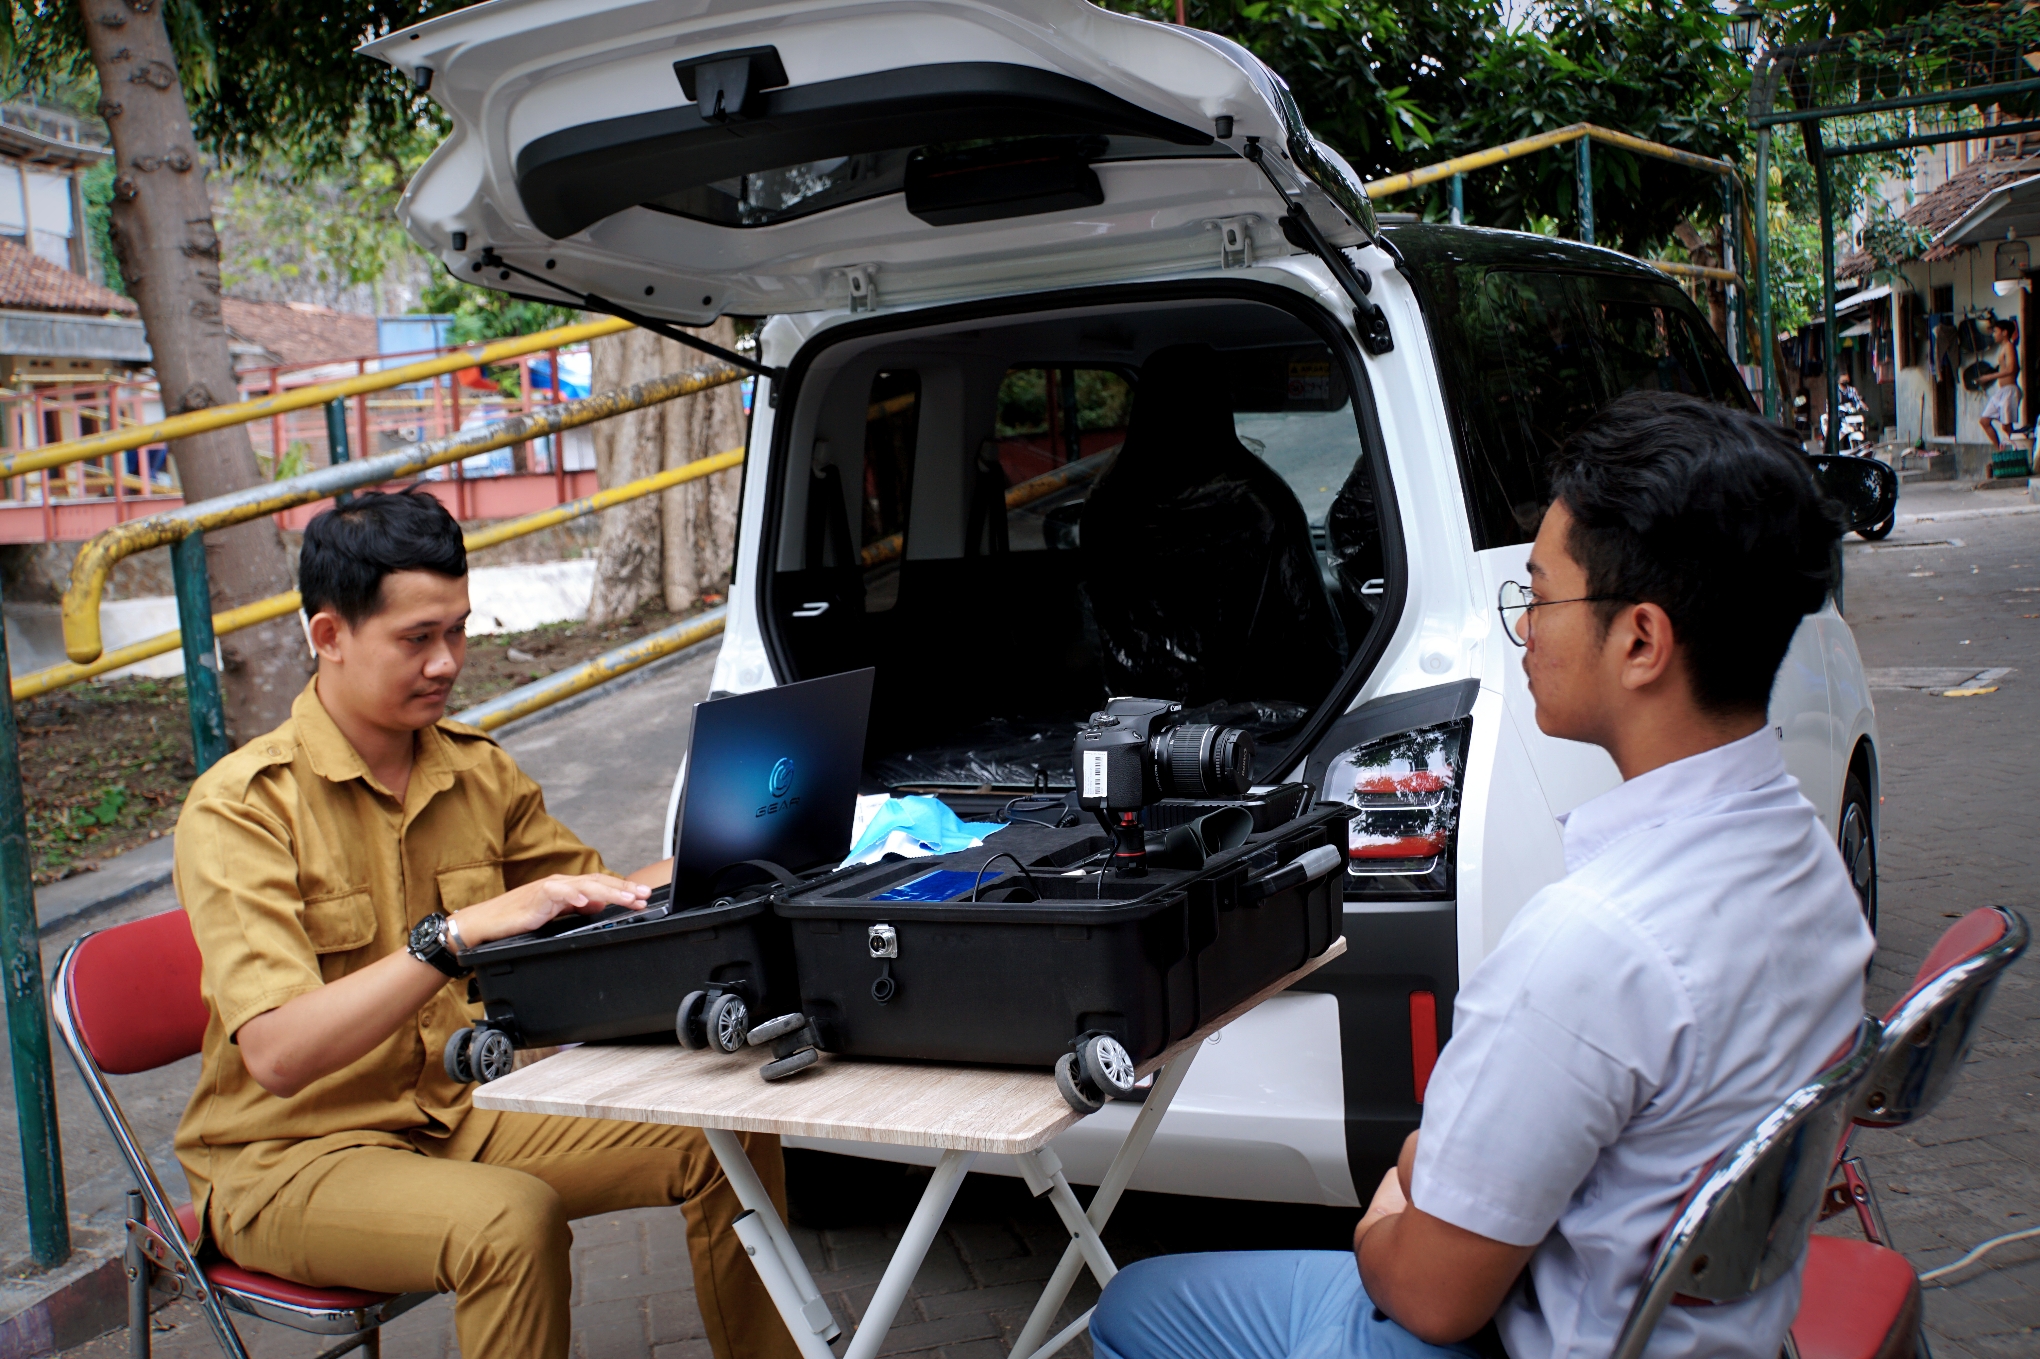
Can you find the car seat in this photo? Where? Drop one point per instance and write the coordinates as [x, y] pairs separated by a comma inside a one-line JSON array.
[[1197, 557]]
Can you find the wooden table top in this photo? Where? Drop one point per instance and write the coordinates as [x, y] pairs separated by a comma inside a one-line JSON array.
[[910, 1104]]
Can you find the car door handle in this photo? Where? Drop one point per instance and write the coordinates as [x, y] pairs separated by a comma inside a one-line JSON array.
[[1371, 587], [812, 610]]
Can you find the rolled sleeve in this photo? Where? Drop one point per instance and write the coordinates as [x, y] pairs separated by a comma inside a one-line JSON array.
[[237, 878]]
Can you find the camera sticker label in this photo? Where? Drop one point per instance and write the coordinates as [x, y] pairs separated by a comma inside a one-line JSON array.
[[1094, 773]]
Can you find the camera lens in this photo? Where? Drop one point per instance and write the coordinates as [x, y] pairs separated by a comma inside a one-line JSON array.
[[1200, 760]]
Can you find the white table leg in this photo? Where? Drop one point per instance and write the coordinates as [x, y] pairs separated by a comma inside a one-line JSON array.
[[1167, 1082], [811, 1313], [908, 1255], [765, 1258]]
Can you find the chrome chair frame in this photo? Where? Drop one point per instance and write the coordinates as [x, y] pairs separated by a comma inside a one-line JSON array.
[[157, 1253], [1745, 1225]]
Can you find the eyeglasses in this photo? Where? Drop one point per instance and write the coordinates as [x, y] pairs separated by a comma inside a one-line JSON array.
[[1515, 600]]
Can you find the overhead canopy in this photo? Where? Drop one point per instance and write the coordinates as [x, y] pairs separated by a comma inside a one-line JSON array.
[[1862, 299], [2006, 212]]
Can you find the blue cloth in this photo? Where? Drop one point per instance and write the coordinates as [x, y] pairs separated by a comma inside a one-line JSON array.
[[916, 826], [1258, 1304]]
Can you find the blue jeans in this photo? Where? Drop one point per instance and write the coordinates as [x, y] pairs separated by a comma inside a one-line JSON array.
[[1260, 1304]]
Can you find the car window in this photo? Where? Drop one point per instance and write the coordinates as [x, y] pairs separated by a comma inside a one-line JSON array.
[[1529, 356], [1314, 451], [1049, 417], [892, 424]]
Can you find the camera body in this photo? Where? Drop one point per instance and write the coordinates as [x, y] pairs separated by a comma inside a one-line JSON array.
[[1137, 751]]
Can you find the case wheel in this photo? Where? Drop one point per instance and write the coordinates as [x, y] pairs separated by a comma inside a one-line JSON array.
[[1069, 1079], [785, 1066], [776, 1028], [688, 1025], [729, 1021], [456, 1056], [1107, 1065], [491, 1054]]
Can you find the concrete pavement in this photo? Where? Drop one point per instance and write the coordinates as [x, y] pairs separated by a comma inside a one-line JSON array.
[[1949, 590]]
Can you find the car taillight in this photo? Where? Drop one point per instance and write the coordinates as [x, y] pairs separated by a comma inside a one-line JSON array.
[[1404, 791]]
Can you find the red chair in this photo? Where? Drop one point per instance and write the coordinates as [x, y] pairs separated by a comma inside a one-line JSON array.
[[1861, 1299], [127, 1000]]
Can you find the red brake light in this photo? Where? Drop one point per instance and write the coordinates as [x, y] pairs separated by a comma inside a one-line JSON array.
[[1404, 790]]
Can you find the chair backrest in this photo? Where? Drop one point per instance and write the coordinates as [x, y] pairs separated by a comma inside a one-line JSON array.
[[128, 997], [1746, 1222], [1928, 1032]]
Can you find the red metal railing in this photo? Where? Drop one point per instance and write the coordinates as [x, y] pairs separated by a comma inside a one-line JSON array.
[[77, 501]]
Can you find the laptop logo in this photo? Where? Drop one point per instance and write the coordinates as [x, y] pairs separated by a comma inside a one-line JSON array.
[[777, 785]]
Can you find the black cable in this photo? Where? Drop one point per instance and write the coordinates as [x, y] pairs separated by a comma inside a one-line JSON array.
[[1043, 802], [491, 260], [1004, 854]]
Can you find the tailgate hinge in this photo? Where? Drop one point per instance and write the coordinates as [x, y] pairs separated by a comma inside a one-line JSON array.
[[1235, 242], [861, 282]]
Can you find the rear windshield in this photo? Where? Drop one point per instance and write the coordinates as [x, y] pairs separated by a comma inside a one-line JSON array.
[[1038, 533], [1528, 355]]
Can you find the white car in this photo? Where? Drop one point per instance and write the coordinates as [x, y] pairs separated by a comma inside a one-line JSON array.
[[967, 227]]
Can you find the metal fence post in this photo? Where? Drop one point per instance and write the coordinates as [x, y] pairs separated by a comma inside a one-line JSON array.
[[1455, 198], [1767, 352], [1831, 365], [201, 657], [336, 440], [28, 1028], [1583, 177]]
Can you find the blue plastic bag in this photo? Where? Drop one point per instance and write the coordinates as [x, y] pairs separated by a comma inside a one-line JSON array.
[[914, 827]]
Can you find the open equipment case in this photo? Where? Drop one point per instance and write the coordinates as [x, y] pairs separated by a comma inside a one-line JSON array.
[[1030, 951]]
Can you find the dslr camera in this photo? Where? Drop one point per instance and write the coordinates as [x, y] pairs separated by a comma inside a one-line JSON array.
[[1138, 751]]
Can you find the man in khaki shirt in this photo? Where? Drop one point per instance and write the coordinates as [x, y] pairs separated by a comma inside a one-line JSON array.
[[325, 1142]]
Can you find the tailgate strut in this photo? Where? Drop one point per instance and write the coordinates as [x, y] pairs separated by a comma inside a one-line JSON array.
[[1303, 233]]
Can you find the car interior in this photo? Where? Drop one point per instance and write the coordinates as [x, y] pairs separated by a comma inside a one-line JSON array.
[[1167, 499]]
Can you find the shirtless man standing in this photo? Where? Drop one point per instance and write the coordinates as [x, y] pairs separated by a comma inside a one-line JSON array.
[[2001, 404]]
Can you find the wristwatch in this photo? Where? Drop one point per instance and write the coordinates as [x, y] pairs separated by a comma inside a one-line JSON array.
[[428, 945]]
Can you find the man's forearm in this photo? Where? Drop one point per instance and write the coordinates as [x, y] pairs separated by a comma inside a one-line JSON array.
[[322, 1031]]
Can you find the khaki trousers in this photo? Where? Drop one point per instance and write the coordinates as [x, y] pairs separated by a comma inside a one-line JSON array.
[[484, 1215]]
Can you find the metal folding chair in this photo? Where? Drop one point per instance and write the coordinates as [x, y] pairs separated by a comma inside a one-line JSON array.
[[1745, 1223], [127, 1000], [1861, 1299]]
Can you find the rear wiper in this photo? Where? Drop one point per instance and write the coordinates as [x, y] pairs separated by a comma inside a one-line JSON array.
[[1301, 232], [591, 302]]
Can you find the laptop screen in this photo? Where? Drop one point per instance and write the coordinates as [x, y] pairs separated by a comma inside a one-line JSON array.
[[772, 775]]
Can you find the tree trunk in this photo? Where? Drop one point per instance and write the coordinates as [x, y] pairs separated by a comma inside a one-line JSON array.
[[676, 545], [162, 231]]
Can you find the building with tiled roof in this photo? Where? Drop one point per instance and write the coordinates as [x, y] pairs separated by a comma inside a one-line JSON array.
[[1919, 327], [295, 332]]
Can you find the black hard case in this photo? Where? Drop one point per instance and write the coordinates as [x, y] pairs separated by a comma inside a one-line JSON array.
[[1145, 959], [627, 980]]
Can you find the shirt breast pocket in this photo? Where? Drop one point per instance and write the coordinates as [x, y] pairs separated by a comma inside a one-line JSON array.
[[339, 925], [468, 885]]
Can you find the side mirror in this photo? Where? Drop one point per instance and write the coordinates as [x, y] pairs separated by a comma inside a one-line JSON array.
[[1866, 489]]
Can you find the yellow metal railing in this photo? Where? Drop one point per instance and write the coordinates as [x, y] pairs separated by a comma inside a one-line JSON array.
[[279, 606], [1543, 141], [296, 398], [97, 558]]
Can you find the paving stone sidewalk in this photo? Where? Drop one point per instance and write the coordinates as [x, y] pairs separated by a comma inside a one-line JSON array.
[[1961, 784]]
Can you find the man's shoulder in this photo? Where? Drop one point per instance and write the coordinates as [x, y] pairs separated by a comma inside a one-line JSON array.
[[240, 770]]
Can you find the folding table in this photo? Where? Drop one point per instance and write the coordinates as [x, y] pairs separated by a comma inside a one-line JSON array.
[[963, 1110]]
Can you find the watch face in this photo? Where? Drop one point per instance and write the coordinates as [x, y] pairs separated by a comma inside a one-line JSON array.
[[429, 933]]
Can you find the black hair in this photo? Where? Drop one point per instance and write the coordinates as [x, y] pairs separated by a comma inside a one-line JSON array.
[[2009, 323], [1712, 514], [350, 548]]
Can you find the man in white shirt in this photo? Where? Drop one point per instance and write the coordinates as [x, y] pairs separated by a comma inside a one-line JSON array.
[[1702, 958]]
